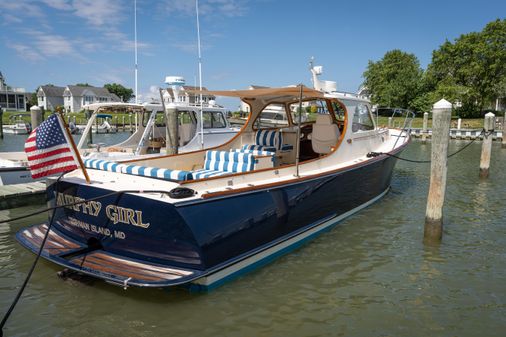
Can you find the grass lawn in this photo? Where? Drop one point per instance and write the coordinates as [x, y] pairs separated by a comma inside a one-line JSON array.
[[80, 117], [471, 123]]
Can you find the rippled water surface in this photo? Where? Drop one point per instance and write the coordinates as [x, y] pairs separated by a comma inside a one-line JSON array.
[[369, 276]]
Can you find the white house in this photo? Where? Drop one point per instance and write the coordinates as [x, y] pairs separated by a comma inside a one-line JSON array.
[[50, 96], [245, 107], [12, 98], [187, 97], [74, 97]]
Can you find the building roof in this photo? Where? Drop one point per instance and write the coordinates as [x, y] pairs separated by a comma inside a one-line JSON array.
[[76, 90], [51, 90]]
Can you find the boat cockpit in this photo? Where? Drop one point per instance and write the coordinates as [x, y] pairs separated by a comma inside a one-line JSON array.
[[284, 129]]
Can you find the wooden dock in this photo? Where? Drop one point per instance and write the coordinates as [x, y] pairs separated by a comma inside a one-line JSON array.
[[18, 195], [459, 134]]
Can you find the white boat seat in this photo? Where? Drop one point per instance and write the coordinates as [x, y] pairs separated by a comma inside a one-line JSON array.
[[219, 163], [153, 172], [325, 134], [268, 140]]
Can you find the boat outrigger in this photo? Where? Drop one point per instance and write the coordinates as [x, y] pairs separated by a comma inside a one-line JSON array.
[[201, 218]]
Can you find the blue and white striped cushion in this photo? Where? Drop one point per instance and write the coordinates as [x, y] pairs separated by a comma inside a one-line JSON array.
[[255, 152], [200, 174], [145, 171], [247, 147], [272, 138], [229, 161]]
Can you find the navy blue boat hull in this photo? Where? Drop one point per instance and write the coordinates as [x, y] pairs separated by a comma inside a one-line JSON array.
[[208, 235]]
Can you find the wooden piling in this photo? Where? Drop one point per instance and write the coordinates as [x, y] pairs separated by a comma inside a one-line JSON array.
[[486, 145], [459, 123], [2, 123], [36, 116], [424, 128], [172, 130], [441, 117], [389, 122], [504, 131], [130, 123], [123, 123]]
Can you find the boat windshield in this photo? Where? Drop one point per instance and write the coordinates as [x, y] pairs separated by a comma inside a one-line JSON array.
[[213, 119], [273, 115], [362, 118], [310, 109]]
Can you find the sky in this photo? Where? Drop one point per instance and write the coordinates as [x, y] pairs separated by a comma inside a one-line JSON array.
[[244, 42]]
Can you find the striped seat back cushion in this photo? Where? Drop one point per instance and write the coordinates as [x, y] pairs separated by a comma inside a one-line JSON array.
[[269, 138], [229, 161], [254, 152], [138, 170]]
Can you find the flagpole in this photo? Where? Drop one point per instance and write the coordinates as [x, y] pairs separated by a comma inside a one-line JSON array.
[[74, 147]]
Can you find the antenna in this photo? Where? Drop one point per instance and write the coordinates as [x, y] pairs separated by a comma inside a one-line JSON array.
[[135, 46], [200, 76]]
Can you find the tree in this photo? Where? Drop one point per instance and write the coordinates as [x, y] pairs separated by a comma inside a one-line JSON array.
[[33, 100], [83, 85], [472, 69], [395, 80], [124, 93]]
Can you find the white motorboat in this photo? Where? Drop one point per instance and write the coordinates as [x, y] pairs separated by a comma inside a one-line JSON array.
[[148, 138], [18, 126], [201, 218]]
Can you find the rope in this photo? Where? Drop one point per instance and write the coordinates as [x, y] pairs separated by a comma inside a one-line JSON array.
[[376, 154], [54, 208]]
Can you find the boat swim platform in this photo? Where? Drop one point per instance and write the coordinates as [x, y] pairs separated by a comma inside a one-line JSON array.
[[18, 195], [459, 134]]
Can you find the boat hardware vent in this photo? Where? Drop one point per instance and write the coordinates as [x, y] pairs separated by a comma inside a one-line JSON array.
[[181, 193]]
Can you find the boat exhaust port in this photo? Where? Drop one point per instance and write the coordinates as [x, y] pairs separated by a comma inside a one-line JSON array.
[[68, 274]]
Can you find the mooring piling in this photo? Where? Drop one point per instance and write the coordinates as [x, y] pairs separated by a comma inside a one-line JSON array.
[[441, 117], [36, 116], [504, 131], [486, 145], [2, 123], [390, 122], [459, 123], [424, 128], [172, 130]]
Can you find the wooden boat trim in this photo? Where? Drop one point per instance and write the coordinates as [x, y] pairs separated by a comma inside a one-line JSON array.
[[334, 149], [295, 180]]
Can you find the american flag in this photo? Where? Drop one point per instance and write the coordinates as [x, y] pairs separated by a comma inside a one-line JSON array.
[[48, 150]]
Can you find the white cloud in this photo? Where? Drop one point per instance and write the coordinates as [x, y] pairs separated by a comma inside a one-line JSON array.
[[21, 8], [54, 45], [153, 94], [25, 52], [43, 46], [99, 12], [59, 4], [228, 8]]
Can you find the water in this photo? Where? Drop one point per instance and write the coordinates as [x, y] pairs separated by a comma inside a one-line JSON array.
[[17, 142], [369, 276]]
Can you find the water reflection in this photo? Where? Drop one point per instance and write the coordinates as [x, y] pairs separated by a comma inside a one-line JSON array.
[[370, 275]]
